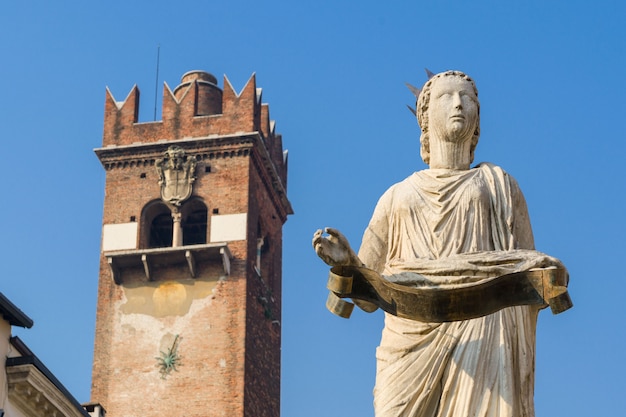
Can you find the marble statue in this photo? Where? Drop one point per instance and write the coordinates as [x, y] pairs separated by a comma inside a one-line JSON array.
[[450, 227]]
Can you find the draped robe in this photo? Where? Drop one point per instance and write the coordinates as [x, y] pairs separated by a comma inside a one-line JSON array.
[[482, 367]]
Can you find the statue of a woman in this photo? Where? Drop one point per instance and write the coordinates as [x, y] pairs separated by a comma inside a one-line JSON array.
[[434, 221]]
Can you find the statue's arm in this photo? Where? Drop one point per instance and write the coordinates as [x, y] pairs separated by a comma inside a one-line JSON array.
[[335, 250], [375, 242]]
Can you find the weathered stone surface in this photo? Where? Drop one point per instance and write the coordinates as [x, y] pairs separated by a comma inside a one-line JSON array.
[[449, 229]]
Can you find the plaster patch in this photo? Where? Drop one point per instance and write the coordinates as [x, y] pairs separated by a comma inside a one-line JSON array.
[[119, 236], [170, 298], [165, 298], [228, 227]]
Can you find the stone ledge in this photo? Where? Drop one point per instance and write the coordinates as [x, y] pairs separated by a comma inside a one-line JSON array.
[[151, 259]]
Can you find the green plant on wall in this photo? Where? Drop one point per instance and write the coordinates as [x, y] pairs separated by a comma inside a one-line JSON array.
[[169, 360]]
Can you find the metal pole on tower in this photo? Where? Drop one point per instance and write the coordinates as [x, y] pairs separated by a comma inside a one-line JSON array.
[[156, 81]]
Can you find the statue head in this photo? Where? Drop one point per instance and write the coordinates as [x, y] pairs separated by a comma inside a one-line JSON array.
[[423, 103]]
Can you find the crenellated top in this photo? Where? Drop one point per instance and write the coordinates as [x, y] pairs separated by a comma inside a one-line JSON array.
[[197, 108]]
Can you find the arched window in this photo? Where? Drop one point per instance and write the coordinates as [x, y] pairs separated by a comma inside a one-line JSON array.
[[156, 225], [194, 222]]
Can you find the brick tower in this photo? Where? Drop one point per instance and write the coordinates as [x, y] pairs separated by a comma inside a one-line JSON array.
[[189, 294]]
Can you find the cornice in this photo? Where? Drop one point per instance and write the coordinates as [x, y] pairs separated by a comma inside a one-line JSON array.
[[145, 154], [241, 144], [33, 391]]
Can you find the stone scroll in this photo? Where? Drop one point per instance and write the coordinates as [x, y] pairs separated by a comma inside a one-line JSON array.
[[540, 287]]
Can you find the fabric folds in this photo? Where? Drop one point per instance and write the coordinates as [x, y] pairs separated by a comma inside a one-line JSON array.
[[443, 227]]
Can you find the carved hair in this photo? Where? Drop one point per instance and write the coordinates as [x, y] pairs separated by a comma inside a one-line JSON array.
[[422, 113]]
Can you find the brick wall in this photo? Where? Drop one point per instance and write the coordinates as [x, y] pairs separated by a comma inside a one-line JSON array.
[[228, 327]]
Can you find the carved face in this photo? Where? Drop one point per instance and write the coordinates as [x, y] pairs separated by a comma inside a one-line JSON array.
[[453, 109]]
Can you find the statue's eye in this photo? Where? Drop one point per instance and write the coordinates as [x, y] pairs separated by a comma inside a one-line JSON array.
[[467, 95]]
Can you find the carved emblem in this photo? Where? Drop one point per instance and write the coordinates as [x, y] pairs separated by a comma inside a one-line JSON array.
[[176, 175]]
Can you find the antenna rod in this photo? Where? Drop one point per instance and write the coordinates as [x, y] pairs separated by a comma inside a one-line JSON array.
[[156, 81]]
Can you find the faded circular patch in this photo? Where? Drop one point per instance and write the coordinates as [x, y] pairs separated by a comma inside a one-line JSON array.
[[170, 298]]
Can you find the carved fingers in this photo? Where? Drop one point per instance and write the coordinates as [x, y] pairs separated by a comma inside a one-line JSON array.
[[333, 248]]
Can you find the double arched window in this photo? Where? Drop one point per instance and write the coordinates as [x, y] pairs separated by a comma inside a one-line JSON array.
[[157, 224]]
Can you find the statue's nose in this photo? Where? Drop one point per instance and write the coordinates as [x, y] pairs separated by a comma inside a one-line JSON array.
[[458, 104]]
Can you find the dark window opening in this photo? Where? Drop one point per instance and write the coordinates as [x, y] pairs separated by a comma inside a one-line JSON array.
[[195, 217], [161, 231], [142, 175], [156, 225], [207, 168], [133, 218], [194, 229], [216, 211]]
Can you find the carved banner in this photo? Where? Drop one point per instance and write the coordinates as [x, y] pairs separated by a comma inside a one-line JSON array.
[[541, 287]]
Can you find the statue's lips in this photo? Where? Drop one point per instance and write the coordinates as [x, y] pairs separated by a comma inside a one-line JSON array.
[[457, 116]]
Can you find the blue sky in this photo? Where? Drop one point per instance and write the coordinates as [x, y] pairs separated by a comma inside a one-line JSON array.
[[553, 106]]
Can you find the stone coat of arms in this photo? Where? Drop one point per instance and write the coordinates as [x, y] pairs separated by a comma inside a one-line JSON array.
[[176, 175]]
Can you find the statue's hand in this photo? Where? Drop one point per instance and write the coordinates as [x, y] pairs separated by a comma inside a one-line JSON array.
[[334, 249]]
